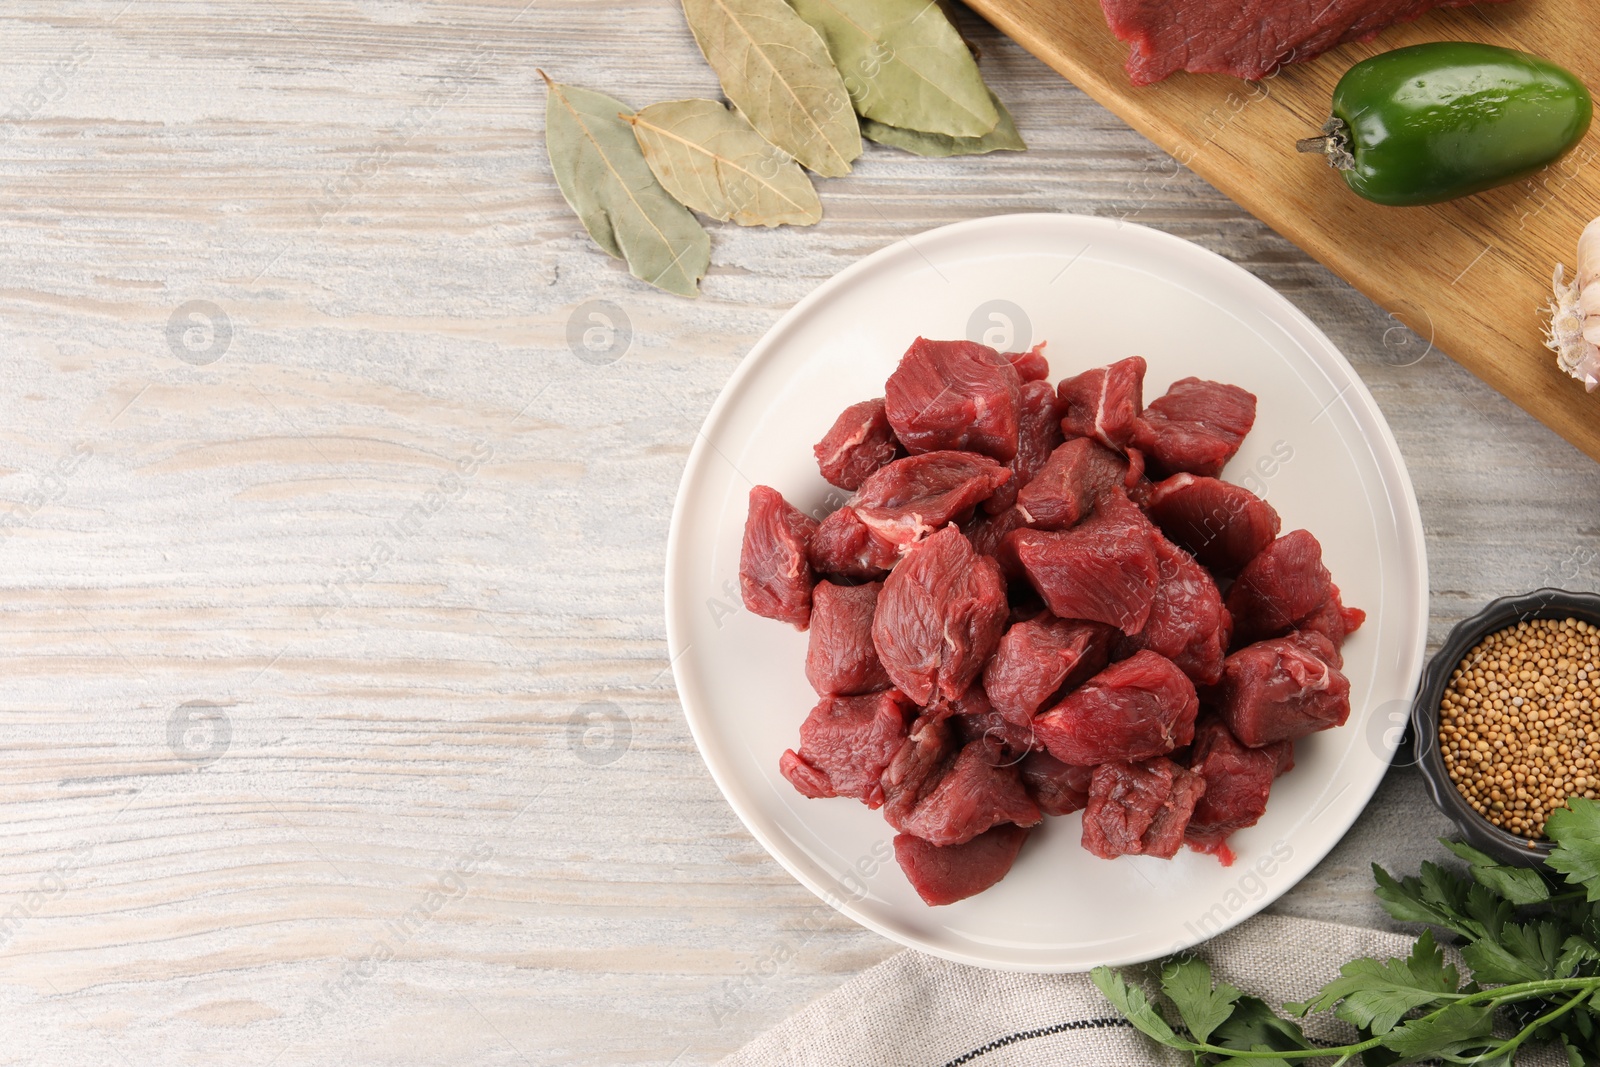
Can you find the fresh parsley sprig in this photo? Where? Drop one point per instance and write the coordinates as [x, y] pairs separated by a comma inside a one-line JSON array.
[[1533, 947]]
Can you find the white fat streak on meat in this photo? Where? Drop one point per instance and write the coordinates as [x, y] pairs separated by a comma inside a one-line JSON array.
[[797, 562], [1026, 518], [904, 530], [854, 440], [1307, 671], [1100, 410]]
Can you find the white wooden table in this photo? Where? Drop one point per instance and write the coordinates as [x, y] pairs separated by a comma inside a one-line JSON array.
[[320, 546]]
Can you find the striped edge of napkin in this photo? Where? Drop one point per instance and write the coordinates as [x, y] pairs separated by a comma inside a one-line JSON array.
[[915, 1010]]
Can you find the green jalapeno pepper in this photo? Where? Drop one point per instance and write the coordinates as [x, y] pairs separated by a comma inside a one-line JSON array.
[[1436, 121]]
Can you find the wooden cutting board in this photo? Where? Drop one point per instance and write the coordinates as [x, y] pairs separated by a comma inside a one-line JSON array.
[[1471, 277]]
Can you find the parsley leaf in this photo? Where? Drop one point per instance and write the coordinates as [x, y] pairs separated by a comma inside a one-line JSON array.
[[1455, 1029], [1520, 885], [1131, 1001], [1575, 950], [1255, 1027], [1375, 996], [1524, 952], [1576, 831], [1437, 897], [1187, 982]]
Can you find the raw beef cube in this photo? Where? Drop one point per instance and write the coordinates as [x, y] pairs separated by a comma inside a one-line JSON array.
[[1238, 781], [774, 576], [859, 443], [975, 719], [913, 497], [1038, 433], [1335, 622], [843, 545], [1104, 403], [1137, 485], [954, 395], [1072, 479], [1284, 583], [975, 791], [1031, 366], [1103, 570], [1225, 37], [1139, 809], [1196, 426], [840, 657], [988, 535], [955, 872], [1283, 689], [1187, 623], [940, 615], [845, 745], [1036, 658], [1058, 788], [1137, 708], [1013, 740], [1223, 525], [918, 764]]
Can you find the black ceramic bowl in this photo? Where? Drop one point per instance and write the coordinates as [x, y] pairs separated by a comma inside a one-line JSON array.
[[1507, 611]]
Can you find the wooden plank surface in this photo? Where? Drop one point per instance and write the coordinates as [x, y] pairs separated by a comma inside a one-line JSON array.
[[1472, 275], [392, 543]]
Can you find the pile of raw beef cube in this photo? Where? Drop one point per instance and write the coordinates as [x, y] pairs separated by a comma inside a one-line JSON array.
[[1041, 599]]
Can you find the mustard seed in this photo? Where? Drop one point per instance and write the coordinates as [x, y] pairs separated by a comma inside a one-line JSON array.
[[1517, 721]]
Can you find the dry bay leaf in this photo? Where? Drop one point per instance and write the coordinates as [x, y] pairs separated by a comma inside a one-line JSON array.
[[715, 162], [904, 64], [604, 176], [1003, 138], [777, 71]]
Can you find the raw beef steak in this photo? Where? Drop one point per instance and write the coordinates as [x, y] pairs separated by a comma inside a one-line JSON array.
[[1058, 788], [954, 395], [859, 443], [1248, 40], [1031, 366], [1137, 708], [1013, 740], [844, 546], [955, 872], [975, 791], [918, 764], [1335, 622], [1104, 403], [912, 497], [1139, 809], [840, 657], [845, 745], [1066, 487], [1223, 525], [940, 615], [1238, 781], [1036, 658], [1283, 689], [1284, 584], [1103, 570], [1038, 433], [988, 535], [1196, 427], [1187, 622], [774, 576]]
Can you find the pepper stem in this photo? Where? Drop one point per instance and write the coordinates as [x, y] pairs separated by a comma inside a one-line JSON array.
[[1333, 142]]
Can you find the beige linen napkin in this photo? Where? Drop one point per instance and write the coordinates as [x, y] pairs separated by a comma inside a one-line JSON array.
[[914, 1010]]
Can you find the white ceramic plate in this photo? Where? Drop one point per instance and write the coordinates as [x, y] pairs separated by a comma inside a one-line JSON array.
[[1097, 290]]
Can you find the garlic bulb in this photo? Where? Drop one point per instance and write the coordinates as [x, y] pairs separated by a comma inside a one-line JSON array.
[[1574, 330]]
